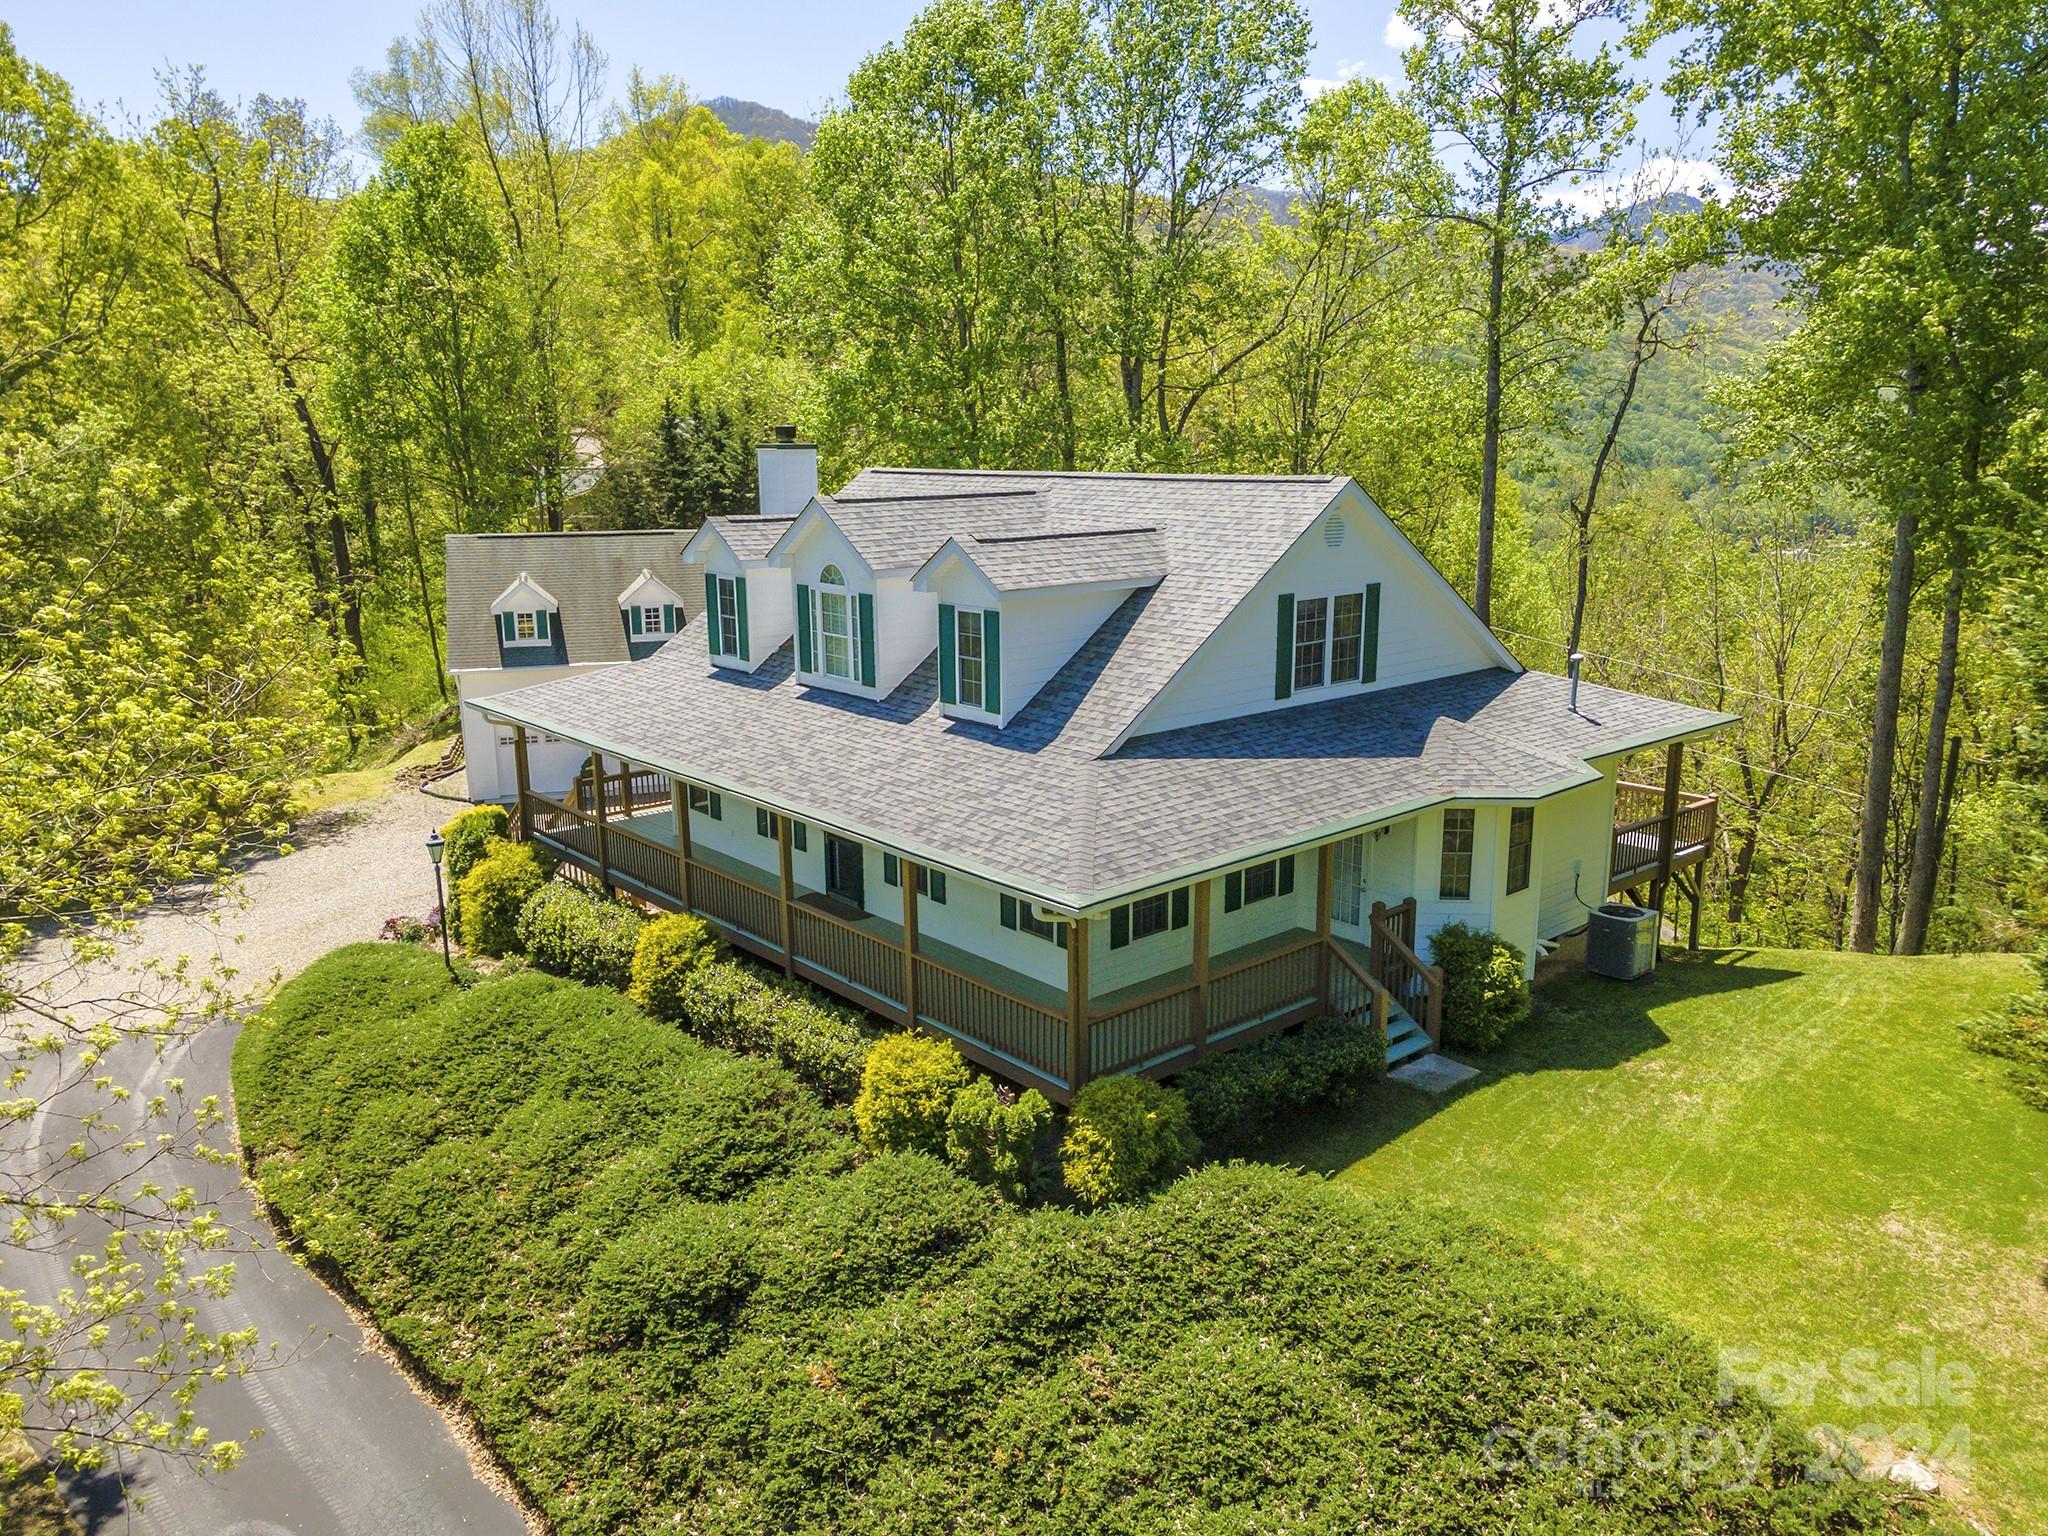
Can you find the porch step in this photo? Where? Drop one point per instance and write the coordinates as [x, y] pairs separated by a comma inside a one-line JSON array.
[[1405, 1038]]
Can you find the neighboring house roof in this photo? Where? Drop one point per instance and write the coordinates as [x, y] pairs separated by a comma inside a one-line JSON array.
[[1030, 807], [585, 574], [1129, 557]]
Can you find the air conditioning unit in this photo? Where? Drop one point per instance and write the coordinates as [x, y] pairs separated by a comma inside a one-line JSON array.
[[1621, 941]]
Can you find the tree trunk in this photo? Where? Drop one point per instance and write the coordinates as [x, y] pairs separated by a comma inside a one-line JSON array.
[[1868, 887], [1489, 464], [419, 565], [1928, 827]]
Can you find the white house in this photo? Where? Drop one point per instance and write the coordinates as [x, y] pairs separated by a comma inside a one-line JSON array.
[[1100, 772]]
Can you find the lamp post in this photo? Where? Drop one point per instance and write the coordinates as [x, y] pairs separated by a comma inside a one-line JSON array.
[[436, 845]]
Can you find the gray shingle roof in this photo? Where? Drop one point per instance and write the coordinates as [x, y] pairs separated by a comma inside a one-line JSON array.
[[1032, 807], [1020, 563], [583, 572], [1221, 532], [893, 531], [750, 538]]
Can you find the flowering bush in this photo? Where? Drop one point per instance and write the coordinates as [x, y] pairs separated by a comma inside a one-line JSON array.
[[412, 930]]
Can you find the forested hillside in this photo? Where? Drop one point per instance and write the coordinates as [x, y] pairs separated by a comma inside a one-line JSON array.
[[248, 380]]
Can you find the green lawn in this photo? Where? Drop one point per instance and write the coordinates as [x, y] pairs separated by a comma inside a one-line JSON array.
[[1789, 1152]]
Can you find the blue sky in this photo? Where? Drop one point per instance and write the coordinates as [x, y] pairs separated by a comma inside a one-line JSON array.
[[794, 54]]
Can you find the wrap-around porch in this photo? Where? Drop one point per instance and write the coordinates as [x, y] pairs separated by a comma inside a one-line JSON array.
[[631, 832]]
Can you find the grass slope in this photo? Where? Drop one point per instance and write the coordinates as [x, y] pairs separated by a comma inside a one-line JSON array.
[[1789, 1152], [678, 1298]]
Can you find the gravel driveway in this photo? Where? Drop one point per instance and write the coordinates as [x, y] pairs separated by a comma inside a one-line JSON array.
[[347, 1447]]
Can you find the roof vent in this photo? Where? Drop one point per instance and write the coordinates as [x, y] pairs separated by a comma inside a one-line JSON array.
[[1333, 533]]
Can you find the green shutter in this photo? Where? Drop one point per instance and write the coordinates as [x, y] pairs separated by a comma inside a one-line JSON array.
[[505, 627], [1283, 663], [937, 887], [717, 806], [739, 604], [1233, 890], [762, 826], [1286, 875], [1369, 670], [668, 618], [892, 873], [992, 662], [803, 627], [711, 613], [1119, 927], [1009, 911], [948, 691], [867, 640], [633, 619], [800, 835], [1180, 907]]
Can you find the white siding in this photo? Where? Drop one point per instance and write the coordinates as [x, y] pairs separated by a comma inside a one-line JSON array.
[[1575, 836], [770, 604], [1041, 630], [1432, 911], [1424, 632], [1514, 915], [487, 748], [906, 631]]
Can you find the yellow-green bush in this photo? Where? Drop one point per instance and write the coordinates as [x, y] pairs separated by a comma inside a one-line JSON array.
[[906, 1091], [495, 888], [467, 834], [1125, 1136], [670, 950]]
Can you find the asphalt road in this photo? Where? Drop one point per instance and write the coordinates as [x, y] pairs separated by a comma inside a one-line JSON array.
[[347, 1447]]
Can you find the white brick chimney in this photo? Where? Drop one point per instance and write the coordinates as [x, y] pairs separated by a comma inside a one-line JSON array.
[[789, 473]]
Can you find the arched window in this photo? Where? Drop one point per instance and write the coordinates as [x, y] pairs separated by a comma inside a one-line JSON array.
[[835, 625]]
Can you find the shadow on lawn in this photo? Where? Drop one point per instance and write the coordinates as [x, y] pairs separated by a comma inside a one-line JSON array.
[[1581, 1023]]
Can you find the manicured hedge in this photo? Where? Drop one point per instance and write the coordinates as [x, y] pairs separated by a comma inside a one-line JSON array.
[[907, 1090], [1238, 1096], [670, 950], [677, 1297], [494, 890], [1485, 993], [741, 1007], [575, 932], [467, 834]]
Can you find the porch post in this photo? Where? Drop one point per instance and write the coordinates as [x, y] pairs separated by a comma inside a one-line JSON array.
[[1200, 1008], [1325, 860], [1667, 830], [604, 868], [1077, 1004], [679, 813], [782, 847], [909, 872], [523, 813]]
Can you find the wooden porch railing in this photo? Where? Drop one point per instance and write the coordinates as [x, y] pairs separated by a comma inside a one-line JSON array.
[[1145, 1032], [1415, 984], [1262, 988], [1355, 990], [736, 903], [634, 789], [997, 1020], [847, 952], [1639, 830]]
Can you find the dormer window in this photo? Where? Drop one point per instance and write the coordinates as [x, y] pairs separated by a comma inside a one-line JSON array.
[[968, 653], [839, 637], [970, 658], [525, 626]]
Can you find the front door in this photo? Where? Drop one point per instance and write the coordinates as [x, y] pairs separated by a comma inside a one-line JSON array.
[[844, 873]]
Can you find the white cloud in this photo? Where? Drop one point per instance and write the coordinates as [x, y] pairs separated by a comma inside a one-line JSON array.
[[1659, 175], [1400, 34], [1321, 85]]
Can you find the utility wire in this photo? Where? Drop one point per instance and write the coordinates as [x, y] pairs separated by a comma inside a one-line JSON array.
[[1687, 677]]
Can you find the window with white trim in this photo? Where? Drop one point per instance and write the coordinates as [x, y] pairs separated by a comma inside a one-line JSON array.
[[1311, 641], [1347, 880], [1454, 872], [838, 642], [1019, 917], [1521, 845], [1347, 638], [728, 616], [968, 655], [653, 619]]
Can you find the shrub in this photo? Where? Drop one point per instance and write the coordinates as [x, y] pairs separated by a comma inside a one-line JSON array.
[[1125, 1136], [493, 891], [993, 1135], [1237, 1097], [669, 950], [2018, 1035], [1485, 992], [575, 932], [906, 1091], [678, 1279], [466, 835], [724, 1002]]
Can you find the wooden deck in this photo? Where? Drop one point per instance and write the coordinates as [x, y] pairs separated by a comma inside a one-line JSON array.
[[1639, 831], [1046, 1037]]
